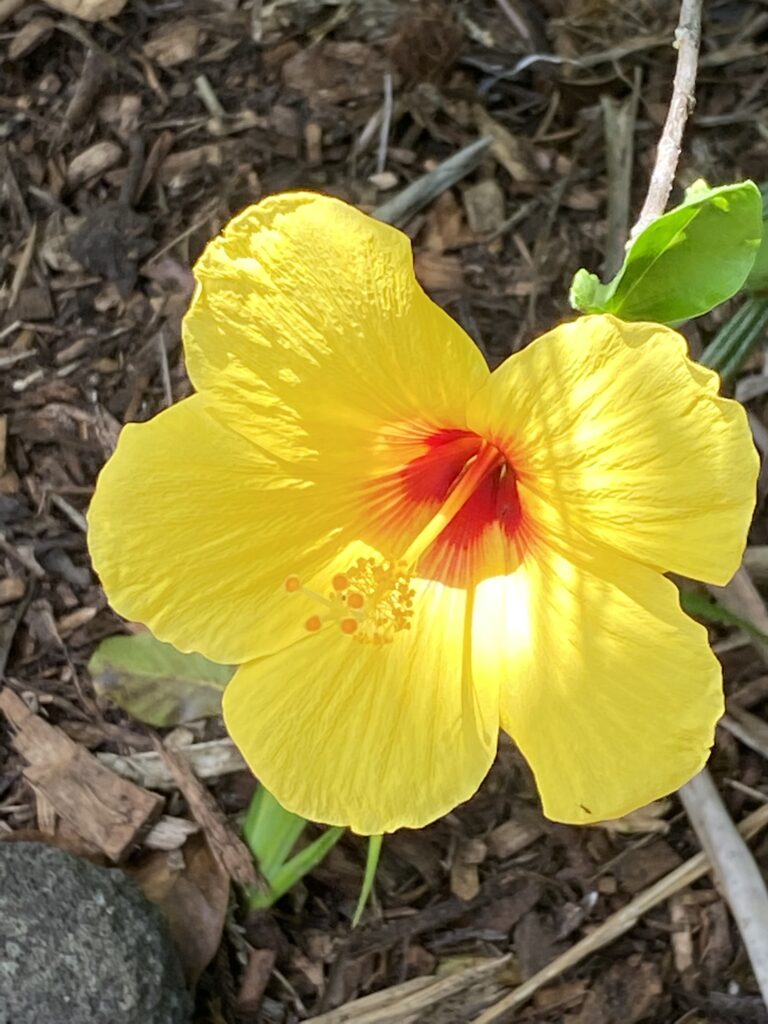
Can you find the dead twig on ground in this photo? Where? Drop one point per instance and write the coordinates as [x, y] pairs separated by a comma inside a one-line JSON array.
[[399, 1002], [687, 39], [617, 924], [737, 875], [419, 193]]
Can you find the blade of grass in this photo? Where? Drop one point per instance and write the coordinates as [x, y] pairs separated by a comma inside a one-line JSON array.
[[371, 863], [288, 874], [270, 831]]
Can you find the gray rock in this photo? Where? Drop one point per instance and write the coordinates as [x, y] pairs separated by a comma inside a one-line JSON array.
[[80, 944]]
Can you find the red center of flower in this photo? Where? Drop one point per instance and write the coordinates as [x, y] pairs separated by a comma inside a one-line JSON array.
[[454, 507]]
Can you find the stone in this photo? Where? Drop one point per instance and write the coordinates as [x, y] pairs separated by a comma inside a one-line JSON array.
[[81, 944]]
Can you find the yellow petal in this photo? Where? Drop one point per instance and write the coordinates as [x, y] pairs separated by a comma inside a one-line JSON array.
[[193, 531], [311, 335], [374, 737], [609, 690], [617, 436]]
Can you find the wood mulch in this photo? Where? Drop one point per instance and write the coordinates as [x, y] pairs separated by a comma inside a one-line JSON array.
[[124, 145]]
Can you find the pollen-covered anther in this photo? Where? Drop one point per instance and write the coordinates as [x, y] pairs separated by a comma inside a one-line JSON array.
[[380, 592], [349, 626], [313, 623], [292, 584]]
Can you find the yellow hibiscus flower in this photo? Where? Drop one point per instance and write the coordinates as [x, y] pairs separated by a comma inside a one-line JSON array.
[[404, 552]]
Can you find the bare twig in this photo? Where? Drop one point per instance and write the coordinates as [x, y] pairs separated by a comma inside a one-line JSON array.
[[742, 597], [687, 40], [419, 193], [617, 924], [386, 124], [736, 873]]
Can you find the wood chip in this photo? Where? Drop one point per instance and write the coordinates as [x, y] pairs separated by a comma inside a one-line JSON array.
[[11, 589], [89, 10], [439, 273], [92, 162], [511, 837], [255, 978], [36, 31], [173, 43], [169, 833], [230, 851], [106, 810], [208, 760]]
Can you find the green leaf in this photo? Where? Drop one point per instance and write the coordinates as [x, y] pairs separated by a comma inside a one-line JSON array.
[[686, 262], [758, 275], [156, 683], [710, 610]]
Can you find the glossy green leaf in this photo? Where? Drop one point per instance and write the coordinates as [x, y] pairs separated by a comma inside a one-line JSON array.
[[686, 262], [758, 275], [155, 683]]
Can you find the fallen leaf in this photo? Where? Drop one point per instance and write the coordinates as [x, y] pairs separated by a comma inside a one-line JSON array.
[[192, 891], [155, 683]]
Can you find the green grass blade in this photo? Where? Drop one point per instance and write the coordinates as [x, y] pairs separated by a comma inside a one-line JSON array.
[[738, 337], [710, 610], [288, 874], [371, 863], [271, 832]]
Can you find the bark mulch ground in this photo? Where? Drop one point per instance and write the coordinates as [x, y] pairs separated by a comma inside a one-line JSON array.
[[124, 146]]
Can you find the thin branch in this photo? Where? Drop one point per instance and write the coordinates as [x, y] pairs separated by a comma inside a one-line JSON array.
[[687, 40], [736, 874], [614, 926]]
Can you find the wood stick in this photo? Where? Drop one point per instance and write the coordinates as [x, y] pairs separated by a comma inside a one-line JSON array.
[[617, 924], [736, 874], [687, 39]]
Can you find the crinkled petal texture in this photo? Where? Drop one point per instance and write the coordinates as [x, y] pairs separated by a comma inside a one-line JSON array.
[[372, 737], [191, 529], [337, 408], [618, 437], [316, 354], [609, 690], [311, 335]]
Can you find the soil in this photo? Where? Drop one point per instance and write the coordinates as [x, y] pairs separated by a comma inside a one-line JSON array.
[[125, 144]]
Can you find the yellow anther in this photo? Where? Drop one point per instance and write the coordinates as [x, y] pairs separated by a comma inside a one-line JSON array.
[[383, 589]]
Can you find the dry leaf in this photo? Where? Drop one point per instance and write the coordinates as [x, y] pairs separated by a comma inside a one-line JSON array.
[[192, 891]]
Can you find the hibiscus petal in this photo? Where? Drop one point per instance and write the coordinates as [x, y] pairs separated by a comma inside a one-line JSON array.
[[310, 333], [376, 737], [617, 436], [193, 531], [610, 691]]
